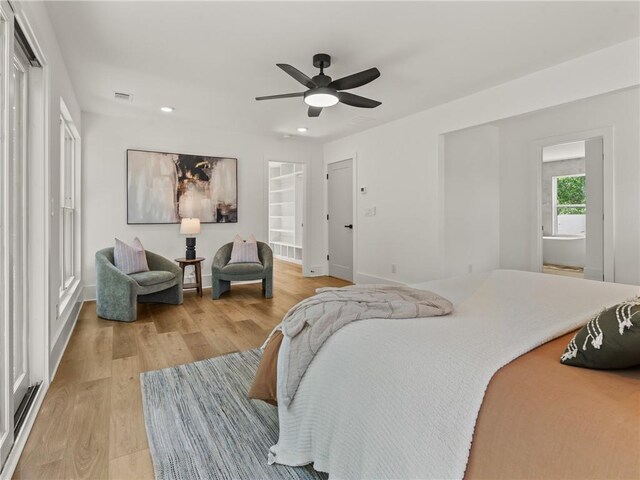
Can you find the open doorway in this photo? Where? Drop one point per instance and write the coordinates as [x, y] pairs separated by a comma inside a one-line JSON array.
[[573, 209], [286, 210]]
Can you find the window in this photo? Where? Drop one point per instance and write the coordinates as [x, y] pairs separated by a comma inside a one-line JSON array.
[[68, 213], [570, 205]]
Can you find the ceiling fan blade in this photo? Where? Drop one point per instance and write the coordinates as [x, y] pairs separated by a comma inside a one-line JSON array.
[[314, 111], [355, 80], [298, 75], [284, 95], [357, 101]]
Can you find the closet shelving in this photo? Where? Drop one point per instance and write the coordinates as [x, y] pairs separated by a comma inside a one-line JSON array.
[[285, 210]]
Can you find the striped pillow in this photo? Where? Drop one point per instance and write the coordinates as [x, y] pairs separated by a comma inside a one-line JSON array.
[[244, 251], [130, 258]]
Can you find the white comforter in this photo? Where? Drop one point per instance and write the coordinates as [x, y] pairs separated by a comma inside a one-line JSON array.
[[388, 399]]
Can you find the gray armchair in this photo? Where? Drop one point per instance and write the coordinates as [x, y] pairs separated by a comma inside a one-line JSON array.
[[117, 293], [222, 274]]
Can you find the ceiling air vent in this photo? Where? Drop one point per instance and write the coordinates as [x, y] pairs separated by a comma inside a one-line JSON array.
[[362, 120], [123, 97]]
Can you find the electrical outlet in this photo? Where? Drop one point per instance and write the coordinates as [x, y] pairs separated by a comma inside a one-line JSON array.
[[394, 268]]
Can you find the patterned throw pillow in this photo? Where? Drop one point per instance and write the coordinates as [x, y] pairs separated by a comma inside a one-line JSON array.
[[244, 251], [130, 258], [611, 339]]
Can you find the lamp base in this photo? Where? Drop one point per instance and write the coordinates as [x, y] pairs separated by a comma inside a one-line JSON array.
[[190, 254]]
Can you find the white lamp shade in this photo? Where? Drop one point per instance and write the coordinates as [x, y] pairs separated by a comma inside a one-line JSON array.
[[190, 226]]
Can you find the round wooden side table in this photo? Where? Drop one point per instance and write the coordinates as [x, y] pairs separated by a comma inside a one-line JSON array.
[[197, 263]]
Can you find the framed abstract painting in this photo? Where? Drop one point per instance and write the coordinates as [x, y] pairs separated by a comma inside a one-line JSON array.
[[166, 187]]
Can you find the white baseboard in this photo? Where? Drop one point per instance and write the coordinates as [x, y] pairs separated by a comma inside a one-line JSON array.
[[288, 259], [315, 271], [89, 293], [366, 278], [57, 350], [312, 271]]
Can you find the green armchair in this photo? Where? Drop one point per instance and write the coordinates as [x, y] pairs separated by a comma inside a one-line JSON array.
[[222, 274], [117, 293]]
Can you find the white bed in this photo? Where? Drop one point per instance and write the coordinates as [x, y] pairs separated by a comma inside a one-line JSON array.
[[400, 399]]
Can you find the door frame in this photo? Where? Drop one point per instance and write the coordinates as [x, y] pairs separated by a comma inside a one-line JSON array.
[[354, 192], [606, 133], [306, 181]]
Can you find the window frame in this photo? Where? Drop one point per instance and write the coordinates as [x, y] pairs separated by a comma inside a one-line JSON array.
[[554, 200], [68, 203]]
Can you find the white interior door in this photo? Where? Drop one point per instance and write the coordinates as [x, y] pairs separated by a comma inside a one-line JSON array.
[[594, 187], [299, 207], [340, 203]]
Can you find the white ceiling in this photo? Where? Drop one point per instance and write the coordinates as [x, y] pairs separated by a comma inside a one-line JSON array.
[[210, 59], [563, 151]]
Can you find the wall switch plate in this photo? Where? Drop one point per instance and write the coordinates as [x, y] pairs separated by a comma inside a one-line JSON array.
[[363, 190], [370, 212], [394, 268]]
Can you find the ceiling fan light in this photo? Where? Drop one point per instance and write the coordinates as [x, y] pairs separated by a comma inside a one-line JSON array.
[[321, 97]]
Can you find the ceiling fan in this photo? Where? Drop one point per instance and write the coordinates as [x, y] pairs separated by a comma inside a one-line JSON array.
[[323, 92]]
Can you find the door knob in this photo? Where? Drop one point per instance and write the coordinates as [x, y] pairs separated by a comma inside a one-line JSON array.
[[349, 226]]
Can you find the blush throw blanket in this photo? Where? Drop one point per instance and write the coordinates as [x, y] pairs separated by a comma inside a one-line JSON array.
[[311, 322]]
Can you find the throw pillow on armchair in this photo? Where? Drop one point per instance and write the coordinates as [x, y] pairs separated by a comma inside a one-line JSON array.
[[244, 251]]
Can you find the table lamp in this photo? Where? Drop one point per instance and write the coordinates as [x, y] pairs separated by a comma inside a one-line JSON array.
[[190, 227]]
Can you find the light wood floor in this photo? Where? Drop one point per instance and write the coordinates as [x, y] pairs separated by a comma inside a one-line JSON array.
[[91, 423]]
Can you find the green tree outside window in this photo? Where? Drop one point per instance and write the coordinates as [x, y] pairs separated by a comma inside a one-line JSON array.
[[570, 195]]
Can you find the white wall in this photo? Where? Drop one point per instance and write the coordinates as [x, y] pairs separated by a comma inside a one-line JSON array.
[[619, 110], [401, 162], [472, 201], [106, 140]]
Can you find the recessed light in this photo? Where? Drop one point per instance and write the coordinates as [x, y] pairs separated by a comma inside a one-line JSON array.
[[167, 109], [302, 129]]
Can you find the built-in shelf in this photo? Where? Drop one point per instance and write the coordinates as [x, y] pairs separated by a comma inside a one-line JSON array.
[[285, 176], [283, 244], [282, 190], [285, 210]]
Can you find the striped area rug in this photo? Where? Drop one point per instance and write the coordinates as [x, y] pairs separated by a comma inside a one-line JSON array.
[[201, 425]]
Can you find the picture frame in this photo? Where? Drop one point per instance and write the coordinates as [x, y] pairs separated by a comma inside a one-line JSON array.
[[164, 187]]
